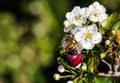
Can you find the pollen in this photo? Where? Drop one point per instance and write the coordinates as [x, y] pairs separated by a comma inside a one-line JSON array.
[[96, 13], [78, 17], [88, 35]]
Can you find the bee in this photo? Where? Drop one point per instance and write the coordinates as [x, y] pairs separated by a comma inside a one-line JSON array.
[[70, 44]]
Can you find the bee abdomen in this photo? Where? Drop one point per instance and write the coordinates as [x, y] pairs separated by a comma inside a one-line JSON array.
[[72, 51]]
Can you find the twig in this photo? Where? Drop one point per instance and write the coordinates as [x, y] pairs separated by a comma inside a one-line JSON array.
[[109, 65], [115, 74]]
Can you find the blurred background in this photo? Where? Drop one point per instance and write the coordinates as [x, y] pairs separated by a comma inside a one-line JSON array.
[[30, 33]]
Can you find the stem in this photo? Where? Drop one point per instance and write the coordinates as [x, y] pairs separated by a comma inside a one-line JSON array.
[[100, 46], [116, 74], [91, 53], [72, 70], [106, 63], [67, 76]]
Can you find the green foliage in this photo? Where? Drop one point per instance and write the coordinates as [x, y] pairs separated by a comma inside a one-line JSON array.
[[116, 26], [111, 20]]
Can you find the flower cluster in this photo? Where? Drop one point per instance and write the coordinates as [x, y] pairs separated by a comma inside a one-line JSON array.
[[77, 24], [91, 36]]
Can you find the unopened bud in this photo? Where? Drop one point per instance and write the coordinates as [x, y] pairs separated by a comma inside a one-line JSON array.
[[113, 32], [103, 23], [69, 81], [56, 76], [67, 24], [107, 42], [61, 68], [102, 55]]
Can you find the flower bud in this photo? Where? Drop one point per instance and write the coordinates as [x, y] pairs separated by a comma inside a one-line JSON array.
[[56, 76], [102, 55], [111, 51], [103, 23], [67, 24], [69, 81], [113, 32], [61, 68], [107, 42]]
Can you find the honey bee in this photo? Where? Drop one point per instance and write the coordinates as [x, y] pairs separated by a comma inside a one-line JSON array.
[[70, 44]]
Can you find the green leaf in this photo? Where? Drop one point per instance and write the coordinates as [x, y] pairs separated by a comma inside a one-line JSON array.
[[101, 30], [91, 65], [111, 20], [62, 51], [116, 26]]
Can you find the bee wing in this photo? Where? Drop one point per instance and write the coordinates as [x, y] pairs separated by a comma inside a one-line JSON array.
[[78, 47]]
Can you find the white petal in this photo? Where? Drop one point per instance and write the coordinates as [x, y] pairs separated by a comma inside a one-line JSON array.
[[76, 9], [101, 8], [77, 23], [67, 29], [93, 18], [93, 28], [79, 37], [103, 17], [97, 38], [75, 30], [91, 8], [88, 45], [96, 3], [69, 16], [86, 11]]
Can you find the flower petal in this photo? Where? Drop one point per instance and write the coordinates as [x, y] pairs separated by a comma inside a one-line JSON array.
[[93, 28], [88, 45], [79, 37], [69, 16], [76, 9], [97, 38], [103, 17]]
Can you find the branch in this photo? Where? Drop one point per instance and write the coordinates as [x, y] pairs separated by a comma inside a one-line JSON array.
[[109, 65], [115, 74]]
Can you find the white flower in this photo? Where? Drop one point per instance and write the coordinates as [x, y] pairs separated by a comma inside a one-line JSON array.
[[69, 81], [113, 32], [88, 36], [78, 15], [56, 76], [61, 68], [98, 12]]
